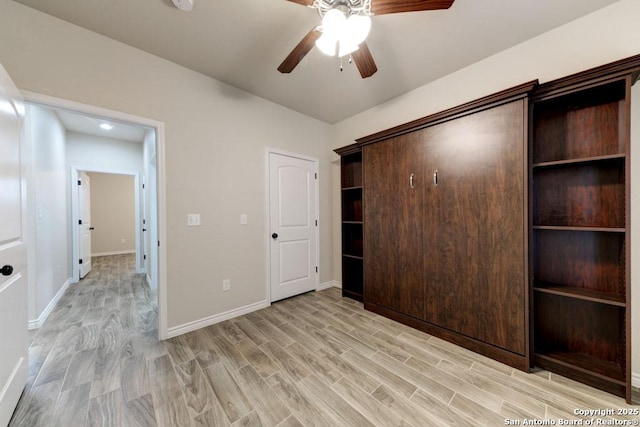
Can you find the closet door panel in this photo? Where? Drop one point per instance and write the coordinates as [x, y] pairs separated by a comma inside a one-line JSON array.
[[393, 217], [474, 224]]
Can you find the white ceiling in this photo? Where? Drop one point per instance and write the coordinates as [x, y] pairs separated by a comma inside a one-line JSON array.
[[82, 123], [242, 42]]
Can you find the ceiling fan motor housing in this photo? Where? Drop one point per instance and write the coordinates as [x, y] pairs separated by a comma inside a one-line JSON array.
[[347, 7], [184, 5]]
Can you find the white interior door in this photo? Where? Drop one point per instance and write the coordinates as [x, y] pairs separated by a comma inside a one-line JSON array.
[[293, 225], [14, 364], [84, 230]]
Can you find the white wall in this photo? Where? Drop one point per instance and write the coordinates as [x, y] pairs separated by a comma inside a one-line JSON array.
[[605, 36], [49, 259], [90, 152], [215, 138], [113, 213]]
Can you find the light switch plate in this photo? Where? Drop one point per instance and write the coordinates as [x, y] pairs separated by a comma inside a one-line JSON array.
[[193, 220], [243, 219]]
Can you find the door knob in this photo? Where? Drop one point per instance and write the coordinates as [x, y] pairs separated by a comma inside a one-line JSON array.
[[274, 235], [144, 229], [92, 228], [6, 270]]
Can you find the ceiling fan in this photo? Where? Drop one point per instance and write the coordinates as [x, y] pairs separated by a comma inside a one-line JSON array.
[[345, 26]]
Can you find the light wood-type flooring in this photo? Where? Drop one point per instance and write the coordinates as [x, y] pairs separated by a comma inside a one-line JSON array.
[[312, 360]]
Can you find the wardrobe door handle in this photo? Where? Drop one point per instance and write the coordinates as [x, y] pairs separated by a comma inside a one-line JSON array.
[[411, 181], [435, 178]]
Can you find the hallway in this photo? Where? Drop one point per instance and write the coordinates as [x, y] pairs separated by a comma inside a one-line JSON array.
[[93, 349]]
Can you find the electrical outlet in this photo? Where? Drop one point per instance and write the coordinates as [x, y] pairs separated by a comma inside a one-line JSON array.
[[122, 241], [226, 284], [193, 220]]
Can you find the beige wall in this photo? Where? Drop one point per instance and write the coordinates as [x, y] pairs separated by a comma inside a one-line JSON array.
[[113, 213], [216, 137], [605, 36]]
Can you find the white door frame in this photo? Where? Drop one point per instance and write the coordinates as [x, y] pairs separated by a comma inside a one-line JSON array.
[[91, 110], [80, 191], [267, 226], [75, 214]]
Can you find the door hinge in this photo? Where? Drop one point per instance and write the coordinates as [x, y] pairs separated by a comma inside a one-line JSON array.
[[80, 261], [144, 257], [158, 243], [79, 222], [143, 186], [79, 182], [316, 175], [144, 221], [316, 222], [316, 268]]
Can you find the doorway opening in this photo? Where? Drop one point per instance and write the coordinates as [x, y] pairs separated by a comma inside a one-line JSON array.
[[108, 218], [104, 143]]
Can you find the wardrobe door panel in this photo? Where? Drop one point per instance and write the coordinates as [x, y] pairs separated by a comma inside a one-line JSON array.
[[393, 218], [474, 226]]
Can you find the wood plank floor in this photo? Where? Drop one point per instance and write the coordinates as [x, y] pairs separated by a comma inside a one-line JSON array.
[[312, 360]]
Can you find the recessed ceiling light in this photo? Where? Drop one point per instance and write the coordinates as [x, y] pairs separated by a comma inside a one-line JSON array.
[[106, 126]]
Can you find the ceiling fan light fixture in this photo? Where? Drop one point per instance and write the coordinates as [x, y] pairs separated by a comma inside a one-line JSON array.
[[327, 45], [334, 23], [347, 33], [357, 29], [346, 48]]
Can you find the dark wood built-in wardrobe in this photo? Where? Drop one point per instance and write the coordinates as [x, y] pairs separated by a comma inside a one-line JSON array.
[[445, 224], [502, 225]]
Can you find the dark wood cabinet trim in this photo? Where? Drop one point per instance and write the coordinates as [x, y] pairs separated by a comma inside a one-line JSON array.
[[508, 95], [349, 149], [628, 67]]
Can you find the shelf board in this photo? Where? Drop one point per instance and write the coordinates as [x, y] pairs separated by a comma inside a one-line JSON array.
[[353, 295], [570, 162], [585, 364], [571, 228], [352, 256], [352, 222], [580, 293], [357, 187]]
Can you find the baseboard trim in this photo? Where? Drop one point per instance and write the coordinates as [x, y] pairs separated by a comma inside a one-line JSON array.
[[36, 323], [329, 284], [635, 380], [133, 251], [217, 318]]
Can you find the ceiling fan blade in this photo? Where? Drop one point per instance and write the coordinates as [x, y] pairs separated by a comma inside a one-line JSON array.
[[302, 2], [364, 61], [383, 7], [300, 51]]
